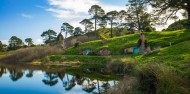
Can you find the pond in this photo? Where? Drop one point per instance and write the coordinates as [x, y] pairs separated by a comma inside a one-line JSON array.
[[37, 81]]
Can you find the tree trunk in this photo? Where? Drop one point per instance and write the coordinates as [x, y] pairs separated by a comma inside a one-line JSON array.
[[95, 24], [65, 35], [95, 18], [188, 11], [111, 30]]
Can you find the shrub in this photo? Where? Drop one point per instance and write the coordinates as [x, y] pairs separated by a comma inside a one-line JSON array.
[[181, 24], [148, 28]]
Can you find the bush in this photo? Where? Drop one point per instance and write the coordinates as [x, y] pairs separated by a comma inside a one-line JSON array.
[[148, 28], [181, 24]]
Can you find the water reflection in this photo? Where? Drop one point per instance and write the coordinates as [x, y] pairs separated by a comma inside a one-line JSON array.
[[50, 79], [58, 81], [15, 74], [2, 71]]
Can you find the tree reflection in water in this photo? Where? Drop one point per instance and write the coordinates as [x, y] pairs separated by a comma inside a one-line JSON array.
[[69, 84], [51, 79], [88, 85], [15, 74], [105, 86], [29, 74], [3, 70], [80, 80]]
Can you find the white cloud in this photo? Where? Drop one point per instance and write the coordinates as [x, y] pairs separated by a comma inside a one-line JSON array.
[[26, 15], [109, 7], [38, 41], [73, 11], [5, 41], [39, 6]]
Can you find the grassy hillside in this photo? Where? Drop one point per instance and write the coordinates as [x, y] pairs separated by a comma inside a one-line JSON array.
[[117, 44], [176, 56]]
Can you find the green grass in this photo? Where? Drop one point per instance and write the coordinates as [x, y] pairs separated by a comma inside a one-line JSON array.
[[117, 44], [80, 58], [177, 56]]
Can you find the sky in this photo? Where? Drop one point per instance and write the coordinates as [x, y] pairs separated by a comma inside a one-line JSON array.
[[29, 18]]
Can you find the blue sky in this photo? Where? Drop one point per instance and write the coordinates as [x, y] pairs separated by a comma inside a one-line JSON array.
[[29, 18]]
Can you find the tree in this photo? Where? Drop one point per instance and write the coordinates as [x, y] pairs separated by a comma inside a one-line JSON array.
[[97, 13], [87, 24], [112, 15], [15, 43], [67, 28], [49, 36], [169, 8], [77, 31], [1, 46], [136, 15], [122, 16], [29, 41]]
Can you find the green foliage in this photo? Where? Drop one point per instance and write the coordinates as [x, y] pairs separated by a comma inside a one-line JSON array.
[[87, 24], [49, 35], [176, 56], [78, 31], [138, 18], [15, 43], [171, 7], [111, 16], [67, 28], [181, 24], [148, 28], [29, 41], [97, 12]]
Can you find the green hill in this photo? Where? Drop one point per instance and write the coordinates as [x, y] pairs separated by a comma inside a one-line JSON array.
[[118, 44]]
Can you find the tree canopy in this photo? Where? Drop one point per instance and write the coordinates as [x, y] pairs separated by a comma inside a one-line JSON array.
[[15, 43], [29, 41], [67, 28], [169, 8], [78, 31], [97, 13], [49, 36], [87, 24], [112, 15]]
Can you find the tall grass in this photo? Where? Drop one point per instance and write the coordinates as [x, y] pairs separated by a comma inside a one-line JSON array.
[[152, 78], [125, 86], [30, 54], [156, 78]]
